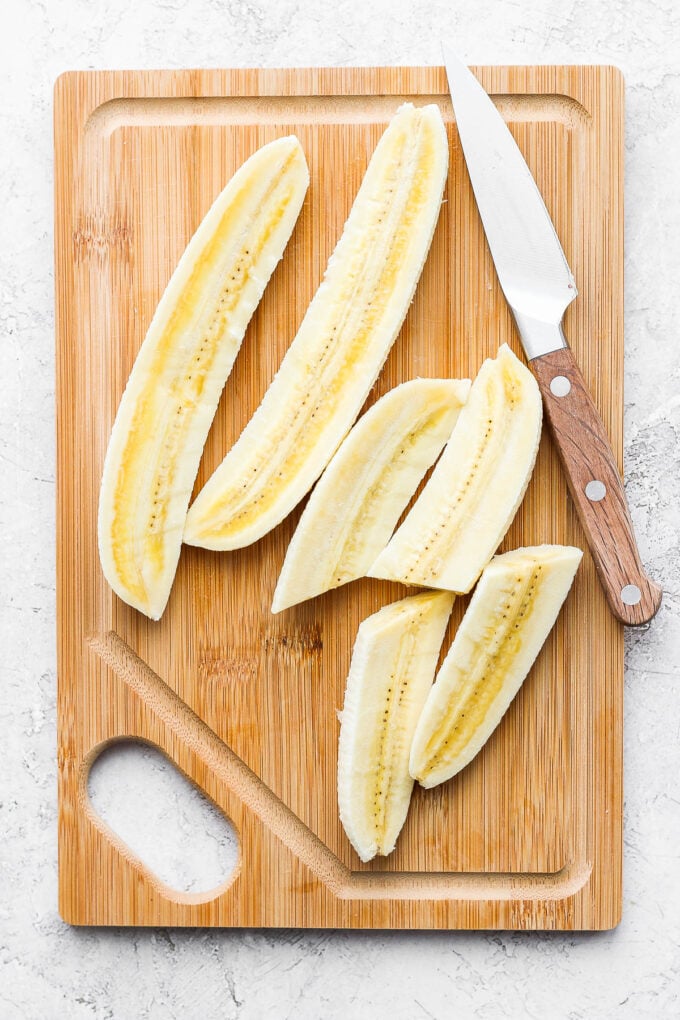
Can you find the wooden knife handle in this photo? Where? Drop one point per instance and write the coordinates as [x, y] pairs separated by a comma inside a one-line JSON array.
[[596, 487]]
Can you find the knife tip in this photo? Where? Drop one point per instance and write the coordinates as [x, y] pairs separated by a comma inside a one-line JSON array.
[[449, 55], [456, 69]]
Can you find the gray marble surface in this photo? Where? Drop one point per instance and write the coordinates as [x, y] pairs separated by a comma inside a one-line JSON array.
[[50, 970]]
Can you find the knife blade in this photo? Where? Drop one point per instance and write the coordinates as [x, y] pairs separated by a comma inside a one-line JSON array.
[[538, 285]]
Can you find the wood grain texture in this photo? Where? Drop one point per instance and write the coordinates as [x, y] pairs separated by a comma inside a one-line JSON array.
[[588, 459], [244, 703]]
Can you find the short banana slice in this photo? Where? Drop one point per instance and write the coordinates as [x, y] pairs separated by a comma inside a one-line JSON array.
[[468, 504], [366, 487], [175, 384], [342, 342], [393, 663], [509, 617]]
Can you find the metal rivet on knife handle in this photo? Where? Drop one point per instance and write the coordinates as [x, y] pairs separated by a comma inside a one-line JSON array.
[[596, 490], [560, 386], [630, 594]]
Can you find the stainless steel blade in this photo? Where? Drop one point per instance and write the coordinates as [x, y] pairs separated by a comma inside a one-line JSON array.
[[531, 266]]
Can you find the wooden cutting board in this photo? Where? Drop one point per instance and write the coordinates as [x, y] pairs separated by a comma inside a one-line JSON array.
[[243, 702]]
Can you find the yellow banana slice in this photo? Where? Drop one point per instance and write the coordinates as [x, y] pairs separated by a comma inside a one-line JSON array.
[[468, 504], [176, 381], [342, 342], [393, 663], [366, 487], [511, 613]]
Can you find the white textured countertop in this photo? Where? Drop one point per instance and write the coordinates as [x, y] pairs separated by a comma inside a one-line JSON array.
[[50, 970]]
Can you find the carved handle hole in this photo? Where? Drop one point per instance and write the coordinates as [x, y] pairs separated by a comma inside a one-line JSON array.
[[164, 820]]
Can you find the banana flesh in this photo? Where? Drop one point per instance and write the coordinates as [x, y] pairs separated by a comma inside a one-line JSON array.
[[468, 504], [393, 663], [511, 613], [341, 344], [362, 493], [176, 381]]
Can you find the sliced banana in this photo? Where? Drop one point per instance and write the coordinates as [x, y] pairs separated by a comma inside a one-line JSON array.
[[342, 342], [176, 381], [511, 613], [393, 663], [468, 504], [366, 487]]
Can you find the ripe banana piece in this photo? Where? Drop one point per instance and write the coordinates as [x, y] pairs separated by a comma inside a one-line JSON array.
[[393, 663], [366, 487], [468, 504], [176, 381], [511, 613], [342, 342]]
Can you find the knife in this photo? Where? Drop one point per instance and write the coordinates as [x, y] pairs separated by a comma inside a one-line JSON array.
[[538, 285]]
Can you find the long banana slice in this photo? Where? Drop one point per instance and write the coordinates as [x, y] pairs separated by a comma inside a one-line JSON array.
[[365, 488], [393, 663], [342, 342], [176, 381], [468, 504], [509, 617]]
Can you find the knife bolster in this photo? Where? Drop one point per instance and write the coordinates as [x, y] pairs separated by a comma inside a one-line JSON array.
[[539, 337]]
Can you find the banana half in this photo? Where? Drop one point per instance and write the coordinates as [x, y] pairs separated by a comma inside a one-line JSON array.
[[176, 381], [393, 663], [463, 512], [341, 344], [511, 613], [364, 490]]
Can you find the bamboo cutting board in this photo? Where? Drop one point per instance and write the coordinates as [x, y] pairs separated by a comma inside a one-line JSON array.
[[243, 702]]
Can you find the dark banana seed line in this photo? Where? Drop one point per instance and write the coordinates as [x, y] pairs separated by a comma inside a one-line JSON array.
[[464, 493], [296, 423], [438, 754], [399, 679], [212, 334], [365, 283], [405, 443]]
